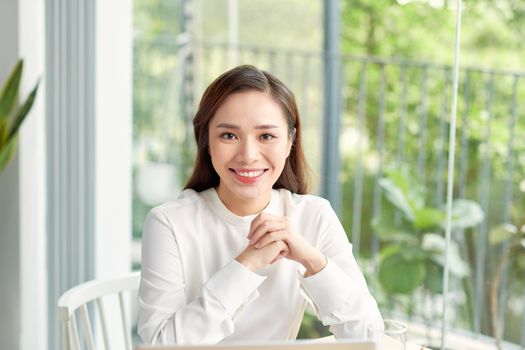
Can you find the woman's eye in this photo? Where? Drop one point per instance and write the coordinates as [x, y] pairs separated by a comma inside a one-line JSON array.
[[227, 136], [267, 137]]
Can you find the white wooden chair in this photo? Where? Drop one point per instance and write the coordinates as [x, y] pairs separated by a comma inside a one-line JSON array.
[[75, 301]]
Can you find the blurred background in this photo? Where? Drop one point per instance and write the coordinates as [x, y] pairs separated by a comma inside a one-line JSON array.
[[111, 136]]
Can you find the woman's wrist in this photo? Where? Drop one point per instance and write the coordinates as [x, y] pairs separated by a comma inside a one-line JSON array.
[[243, 261], [314, 264]]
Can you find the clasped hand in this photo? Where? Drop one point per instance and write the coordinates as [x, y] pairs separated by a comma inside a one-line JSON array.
[[272, 238]]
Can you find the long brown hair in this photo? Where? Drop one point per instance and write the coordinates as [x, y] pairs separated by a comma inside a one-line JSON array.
[[295, 176]]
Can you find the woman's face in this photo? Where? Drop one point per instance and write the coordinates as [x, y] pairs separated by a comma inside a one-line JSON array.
[[248, 144]]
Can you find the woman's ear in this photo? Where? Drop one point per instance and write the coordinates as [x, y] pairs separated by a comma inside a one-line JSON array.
[[291, 140]]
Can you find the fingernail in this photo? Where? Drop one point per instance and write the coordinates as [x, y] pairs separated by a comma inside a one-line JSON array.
[[258, 245]]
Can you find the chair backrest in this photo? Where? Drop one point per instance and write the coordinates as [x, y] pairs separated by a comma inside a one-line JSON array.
[[76, 300]]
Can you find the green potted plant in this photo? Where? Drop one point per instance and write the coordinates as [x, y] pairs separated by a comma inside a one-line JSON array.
[[411, 233], [12, 114]]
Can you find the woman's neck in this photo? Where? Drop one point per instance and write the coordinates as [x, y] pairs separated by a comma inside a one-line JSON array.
[[243, 206]]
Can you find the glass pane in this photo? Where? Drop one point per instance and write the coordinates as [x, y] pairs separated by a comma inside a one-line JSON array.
[[394, 145]]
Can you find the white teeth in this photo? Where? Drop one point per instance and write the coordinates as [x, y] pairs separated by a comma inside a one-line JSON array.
[[250, 173]]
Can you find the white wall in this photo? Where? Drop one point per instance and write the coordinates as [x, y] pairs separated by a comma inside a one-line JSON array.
[[22, 218], [113, 95], [113, 137], [32, 177]]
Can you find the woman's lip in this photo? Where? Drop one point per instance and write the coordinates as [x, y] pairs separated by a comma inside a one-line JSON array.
[[248, 170], [245, 179]]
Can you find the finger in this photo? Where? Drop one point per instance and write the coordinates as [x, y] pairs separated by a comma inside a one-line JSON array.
[[279, 257], [254, 225], [282, 254], [264, 229], [271, 237], [260, 220]]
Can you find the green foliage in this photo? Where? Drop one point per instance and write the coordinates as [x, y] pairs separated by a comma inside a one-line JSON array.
[[311, 328], [12, 115], [408, 227], [387, 28], [492, 31], [401, 275]]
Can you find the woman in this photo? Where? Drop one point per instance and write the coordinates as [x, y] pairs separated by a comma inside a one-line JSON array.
[[241, 251]]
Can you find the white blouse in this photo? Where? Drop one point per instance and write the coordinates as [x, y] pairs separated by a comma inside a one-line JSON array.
[[193, 291]]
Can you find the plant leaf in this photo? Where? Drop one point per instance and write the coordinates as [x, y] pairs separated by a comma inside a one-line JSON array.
[[6, 152], [427, 218], [9, 92], [389, 250], [409, 184], [502, 233], [385, 227], [400, 276], [412, 252], [466, 213], [436, 245], [3, 132], [23, 111], [396, 196]]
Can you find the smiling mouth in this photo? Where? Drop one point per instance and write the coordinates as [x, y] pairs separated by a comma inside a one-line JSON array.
[[248, 176]]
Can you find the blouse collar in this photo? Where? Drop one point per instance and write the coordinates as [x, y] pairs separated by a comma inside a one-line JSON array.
[[274, 207]]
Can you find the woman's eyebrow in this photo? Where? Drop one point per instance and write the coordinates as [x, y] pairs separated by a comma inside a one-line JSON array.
[[228, 126], [267, 126], [233, 126]]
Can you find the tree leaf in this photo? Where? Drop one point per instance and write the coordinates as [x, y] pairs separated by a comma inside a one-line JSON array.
[[466, 213], [502, 233], [436, 245], [9, 92], [433, 242], [427, 218], [400, 276], [389, 250], [412, 252], [409, 184], [396, 196]]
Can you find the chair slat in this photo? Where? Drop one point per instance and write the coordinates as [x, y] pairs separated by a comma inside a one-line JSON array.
[[86, 324], [103, 323], [74, 331], [125, 324], [66, 338]]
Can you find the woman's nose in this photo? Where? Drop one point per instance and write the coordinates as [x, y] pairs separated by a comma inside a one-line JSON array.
[[248, 151]]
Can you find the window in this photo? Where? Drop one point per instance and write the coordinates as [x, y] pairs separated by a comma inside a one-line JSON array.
[[396, 92]]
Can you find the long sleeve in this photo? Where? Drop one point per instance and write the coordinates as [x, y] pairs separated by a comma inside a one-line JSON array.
[[345, 305], [166, 315]]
